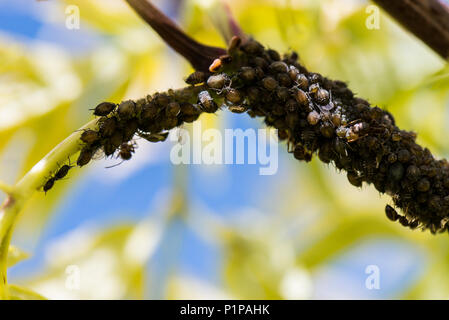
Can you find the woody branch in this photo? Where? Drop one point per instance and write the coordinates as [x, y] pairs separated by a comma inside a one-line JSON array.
[[426, 19]]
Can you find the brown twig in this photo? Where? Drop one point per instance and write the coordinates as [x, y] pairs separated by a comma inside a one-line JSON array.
[[199, 55], [426, 19]]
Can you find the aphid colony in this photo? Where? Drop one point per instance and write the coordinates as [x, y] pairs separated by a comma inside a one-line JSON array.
[[314, 114], [149, 118]]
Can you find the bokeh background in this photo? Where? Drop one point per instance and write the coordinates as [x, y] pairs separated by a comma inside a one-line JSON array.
[[148, 229]]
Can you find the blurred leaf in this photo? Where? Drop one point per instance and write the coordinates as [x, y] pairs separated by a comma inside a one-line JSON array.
[[15, 255], [20, 293], [340, 234], [102, 264], [183, 287], [113, 17]]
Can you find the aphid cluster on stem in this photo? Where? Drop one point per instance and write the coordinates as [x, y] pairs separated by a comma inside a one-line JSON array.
[[320, 116], [149, 118], [314, 114]]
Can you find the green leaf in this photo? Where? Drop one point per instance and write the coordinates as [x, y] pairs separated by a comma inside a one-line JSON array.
[[16, 255]]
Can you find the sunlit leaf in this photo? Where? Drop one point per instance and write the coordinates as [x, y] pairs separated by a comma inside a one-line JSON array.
[[20, 293], [15, 255]]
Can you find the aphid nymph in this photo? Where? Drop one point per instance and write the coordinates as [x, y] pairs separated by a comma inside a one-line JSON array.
[[154, 137], [216, 65], [127, 109], [85, 156], [391, 213], [62, 172], [104, 108], [196, 77], [126, 150], [49, 184], [90, 136], [206, 102]]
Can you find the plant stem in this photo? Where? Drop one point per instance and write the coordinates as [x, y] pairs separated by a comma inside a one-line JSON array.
[[23, 190], [426, 19], [6, 188], [39, 175]]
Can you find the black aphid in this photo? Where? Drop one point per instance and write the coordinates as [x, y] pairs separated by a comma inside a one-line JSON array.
[[126, 150], [90, 136], [62, 172], [104, 108], [206, 102], [196, 77], [85, 156], [391, 213], [49, 184]]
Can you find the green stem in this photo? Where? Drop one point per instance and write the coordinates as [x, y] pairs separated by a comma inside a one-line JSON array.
[[31, 182], [39, 174]]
